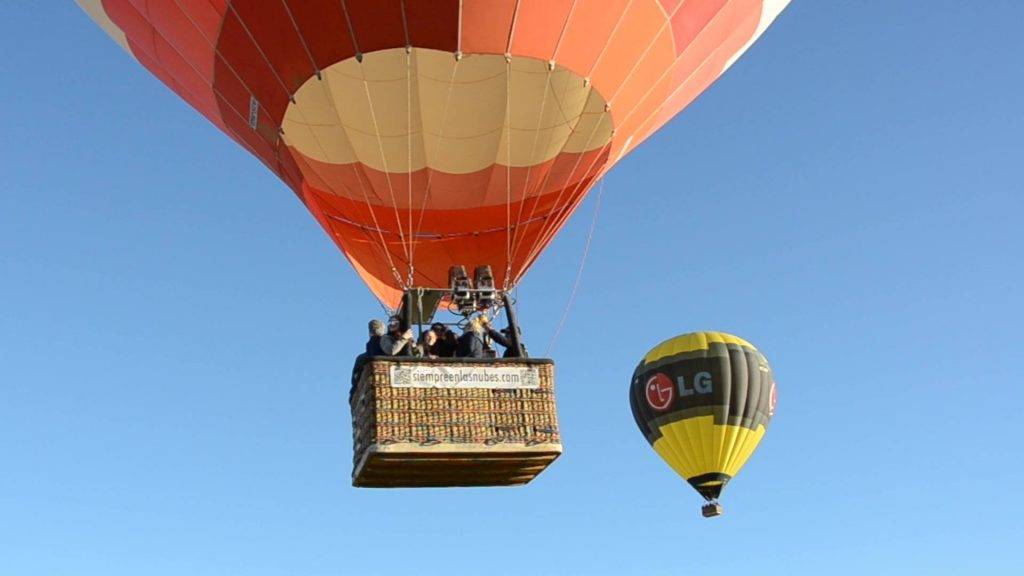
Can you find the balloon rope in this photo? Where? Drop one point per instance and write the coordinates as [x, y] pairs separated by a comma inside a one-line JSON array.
[[604, 169], [547, 177], [565, 26], [512, 29], [195, 98], [262, 54], [325, 87], [508, 169], [302, 39], [559, 214], [529, 170], [671, 69], [604, 49], [509, 234], [384, 162], [639, 59], [458, 39], [408, 166], [271, 121], [380, 145], [590, 73], [437, 149], [544, 226], [526, 183], [568, 180], [579, 271], [641, 100], [383, 243]]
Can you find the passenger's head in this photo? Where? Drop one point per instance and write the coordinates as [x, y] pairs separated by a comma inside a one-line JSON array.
[[438, 328], [394, 324], [377, 328], [430, 337], [473, 325]]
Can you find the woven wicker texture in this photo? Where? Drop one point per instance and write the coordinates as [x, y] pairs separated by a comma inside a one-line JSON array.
[[484, 430]]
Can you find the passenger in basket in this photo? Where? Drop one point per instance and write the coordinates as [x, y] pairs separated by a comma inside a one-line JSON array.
[[504, 337], [447, 342], [373, 348], [398, 340], [428, 344], [377, 330], [471, 343]]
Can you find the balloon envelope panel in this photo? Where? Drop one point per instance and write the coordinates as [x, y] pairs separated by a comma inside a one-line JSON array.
[[425, 134]]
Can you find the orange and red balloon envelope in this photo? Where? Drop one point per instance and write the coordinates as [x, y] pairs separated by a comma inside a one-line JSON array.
[[427, 133]]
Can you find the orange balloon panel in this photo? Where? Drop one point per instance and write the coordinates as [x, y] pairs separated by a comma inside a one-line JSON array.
[[426, 133]]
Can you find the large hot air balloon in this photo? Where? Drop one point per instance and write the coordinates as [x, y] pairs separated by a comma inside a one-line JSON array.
[[703, 401], [427, 133]]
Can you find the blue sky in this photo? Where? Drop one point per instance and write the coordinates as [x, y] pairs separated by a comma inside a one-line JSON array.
[[176, 332]]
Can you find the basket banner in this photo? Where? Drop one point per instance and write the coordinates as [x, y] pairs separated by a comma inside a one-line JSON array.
[[465, 376]]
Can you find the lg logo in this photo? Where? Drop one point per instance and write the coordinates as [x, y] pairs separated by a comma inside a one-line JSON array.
[[701, 384], [661, 393]]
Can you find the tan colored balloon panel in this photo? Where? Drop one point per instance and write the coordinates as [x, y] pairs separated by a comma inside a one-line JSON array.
[[401, 112]]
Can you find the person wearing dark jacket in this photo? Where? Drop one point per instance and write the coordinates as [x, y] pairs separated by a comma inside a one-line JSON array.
[[504, 337], [471, 343], [447, 342], [373, 344], [373, 348], [427, 346]]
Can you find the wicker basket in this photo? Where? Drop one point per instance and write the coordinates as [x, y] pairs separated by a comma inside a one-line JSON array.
[[407, 433]]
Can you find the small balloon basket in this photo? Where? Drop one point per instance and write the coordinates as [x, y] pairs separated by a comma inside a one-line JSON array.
[[420, 422], [712, 509]]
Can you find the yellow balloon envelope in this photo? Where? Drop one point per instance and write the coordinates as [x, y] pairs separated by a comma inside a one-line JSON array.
[[703, 401]]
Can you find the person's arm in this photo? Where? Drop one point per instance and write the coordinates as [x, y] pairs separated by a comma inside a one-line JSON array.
[[391, 346], [498, 337]]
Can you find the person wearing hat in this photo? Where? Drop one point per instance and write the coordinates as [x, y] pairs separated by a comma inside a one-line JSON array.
[[373, 348], [377, 330]]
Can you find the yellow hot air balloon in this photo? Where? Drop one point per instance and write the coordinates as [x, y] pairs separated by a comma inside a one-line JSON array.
[[703, 401]]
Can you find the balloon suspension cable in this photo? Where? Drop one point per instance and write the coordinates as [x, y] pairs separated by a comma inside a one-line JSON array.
[[552, 219], [630, 112], [408, 129], [548, 229], [384, 165], [579, 270], [406, 233], [526, 192], [290, 96], [415, 232], [299, 111], [508, 171], [388, 311]]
